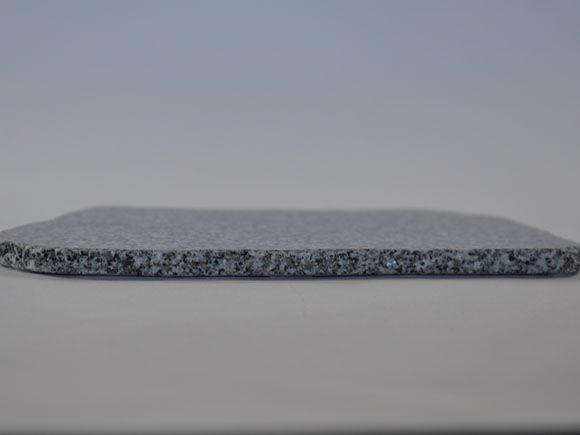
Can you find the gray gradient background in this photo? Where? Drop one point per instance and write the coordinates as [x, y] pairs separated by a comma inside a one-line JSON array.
[[466, 106]]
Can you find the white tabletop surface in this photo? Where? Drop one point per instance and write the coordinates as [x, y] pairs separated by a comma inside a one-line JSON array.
[[463, 106], [230, 354]]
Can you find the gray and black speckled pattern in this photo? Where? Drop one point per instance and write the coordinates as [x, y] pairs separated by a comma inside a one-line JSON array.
[[181, 242]]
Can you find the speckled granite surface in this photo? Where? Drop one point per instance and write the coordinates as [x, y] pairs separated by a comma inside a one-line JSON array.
[[182, 242]]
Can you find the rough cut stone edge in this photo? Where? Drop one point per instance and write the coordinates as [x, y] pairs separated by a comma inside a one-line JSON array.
[[291, 263]]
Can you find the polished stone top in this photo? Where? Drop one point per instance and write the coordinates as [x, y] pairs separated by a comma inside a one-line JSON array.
[[277, 242]]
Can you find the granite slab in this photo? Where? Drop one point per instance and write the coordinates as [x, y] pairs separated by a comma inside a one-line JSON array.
[[189, 242]]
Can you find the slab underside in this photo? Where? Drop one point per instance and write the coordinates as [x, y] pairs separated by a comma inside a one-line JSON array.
[[181, 242]]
